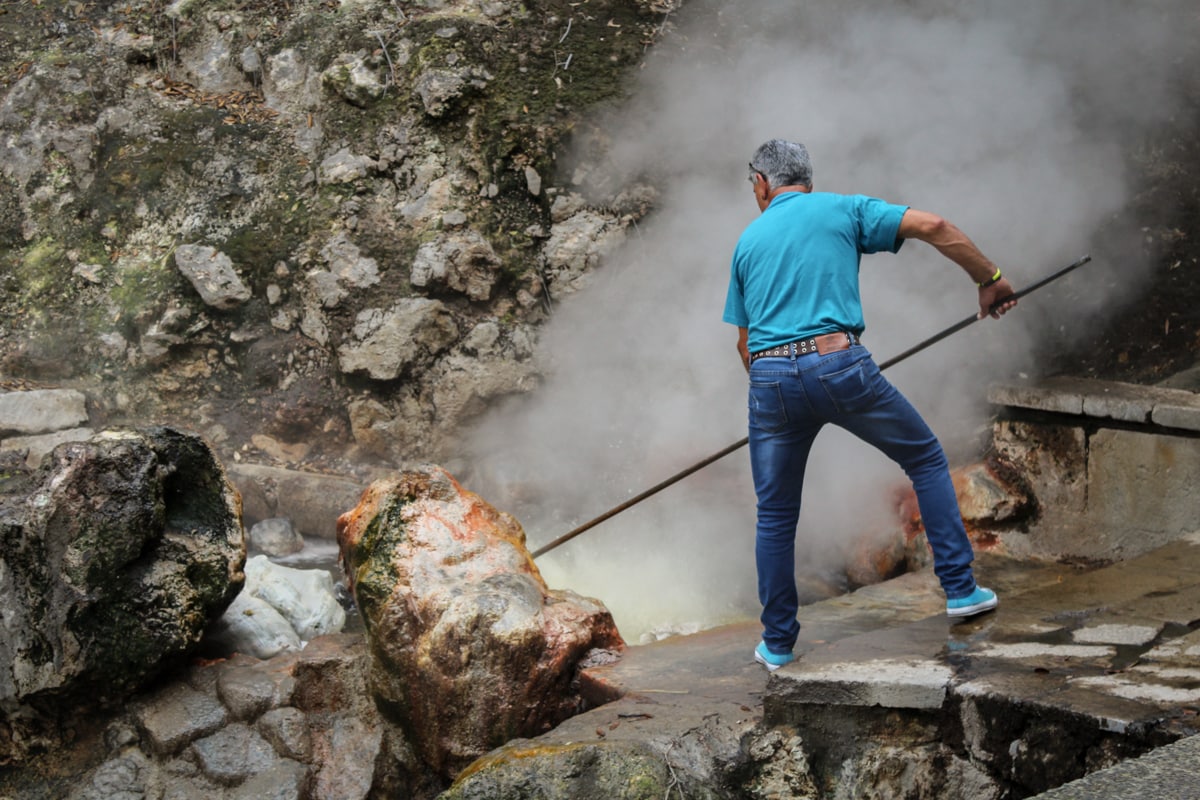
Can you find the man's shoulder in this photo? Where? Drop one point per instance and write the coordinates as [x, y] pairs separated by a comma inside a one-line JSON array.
[[831, 202], [846, 197], [834, 199], [865, 206]]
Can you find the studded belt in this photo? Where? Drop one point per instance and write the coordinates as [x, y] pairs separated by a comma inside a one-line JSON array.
[[825, 343]]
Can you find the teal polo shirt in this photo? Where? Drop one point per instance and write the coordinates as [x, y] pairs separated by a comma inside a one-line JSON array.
[[795, 268]]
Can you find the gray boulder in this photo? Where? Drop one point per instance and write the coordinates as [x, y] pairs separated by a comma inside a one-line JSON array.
[[114, 557], [464, 262], [41, 410], [386, 342], [212, 275]]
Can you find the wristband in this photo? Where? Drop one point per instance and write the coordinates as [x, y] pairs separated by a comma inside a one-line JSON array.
[[995, 278]]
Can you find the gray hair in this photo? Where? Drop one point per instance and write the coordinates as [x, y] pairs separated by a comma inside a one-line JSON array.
[[784, 163]]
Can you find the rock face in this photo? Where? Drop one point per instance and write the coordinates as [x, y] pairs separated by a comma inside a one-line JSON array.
[[337, 197], [470, 648], [114, 557]]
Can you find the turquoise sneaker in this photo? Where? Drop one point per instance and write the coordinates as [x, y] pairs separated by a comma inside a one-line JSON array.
[[976, 602], [772, 661]]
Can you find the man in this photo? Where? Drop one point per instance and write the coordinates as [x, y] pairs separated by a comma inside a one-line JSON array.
[[794, 295]]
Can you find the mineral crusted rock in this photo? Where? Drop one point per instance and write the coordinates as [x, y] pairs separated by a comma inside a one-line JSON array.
[[469, 647], [278, 609]]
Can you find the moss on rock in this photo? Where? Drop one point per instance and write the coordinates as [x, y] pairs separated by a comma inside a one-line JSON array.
[[575, 771]]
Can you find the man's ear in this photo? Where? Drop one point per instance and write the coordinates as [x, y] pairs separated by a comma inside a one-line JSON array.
[[761, 187]]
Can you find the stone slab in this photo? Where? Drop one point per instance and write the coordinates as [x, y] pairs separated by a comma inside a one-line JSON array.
[[1103, 492], [178, 716], [1162, 686], [1176, 415], [1039, 397], [233, 754], [1048, 694], [42, 411], [1183, 650], [1116, 633], [886, 683], [1143, 487], [284, 780], [1046, 655], [1122, 402]]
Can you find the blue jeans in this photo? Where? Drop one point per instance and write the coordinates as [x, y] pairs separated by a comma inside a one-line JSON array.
[[790, 400]]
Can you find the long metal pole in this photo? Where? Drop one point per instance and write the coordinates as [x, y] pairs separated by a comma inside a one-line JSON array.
[[653, 490]]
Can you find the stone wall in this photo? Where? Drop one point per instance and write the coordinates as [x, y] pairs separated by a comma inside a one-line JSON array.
[[1117, 461]]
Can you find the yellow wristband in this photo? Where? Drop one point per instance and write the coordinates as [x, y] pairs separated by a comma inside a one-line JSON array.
[[990, 281]]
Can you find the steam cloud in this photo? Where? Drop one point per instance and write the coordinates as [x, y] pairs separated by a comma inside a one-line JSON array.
[[1012, 119]]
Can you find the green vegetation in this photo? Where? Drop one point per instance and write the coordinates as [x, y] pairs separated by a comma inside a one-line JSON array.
[[373, 571], [43, 271], [275, 229], [143, 286]]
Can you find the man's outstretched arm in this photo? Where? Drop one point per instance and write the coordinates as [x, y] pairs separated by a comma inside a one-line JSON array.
[[955, 245]]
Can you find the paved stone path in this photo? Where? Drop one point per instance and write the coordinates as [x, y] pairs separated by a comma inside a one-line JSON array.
[[1107, 652]]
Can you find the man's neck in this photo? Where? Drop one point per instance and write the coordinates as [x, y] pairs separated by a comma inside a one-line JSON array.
[[796, 187]]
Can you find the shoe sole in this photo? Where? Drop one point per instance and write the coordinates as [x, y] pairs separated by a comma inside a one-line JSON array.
[[978, 608], [770, 667]]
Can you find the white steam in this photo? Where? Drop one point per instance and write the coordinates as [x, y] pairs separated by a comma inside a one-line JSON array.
[[1009, 118]]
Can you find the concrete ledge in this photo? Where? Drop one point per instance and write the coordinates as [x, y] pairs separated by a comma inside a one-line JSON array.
[[1016, 693], [889, 684], [1040, 397], [1124, 402]]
